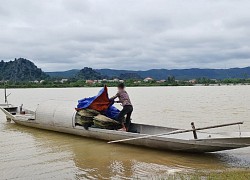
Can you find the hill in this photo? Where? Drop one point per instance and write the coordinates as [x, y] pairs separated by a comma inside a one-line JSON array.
[[21, 70], [64, 74], [181, 74], [127, 76], [184, 74], [24, 70], [88, 73]]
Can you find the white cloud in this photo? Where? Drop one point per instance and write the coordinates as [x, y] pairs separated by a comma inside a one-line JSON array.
[[126, 34]]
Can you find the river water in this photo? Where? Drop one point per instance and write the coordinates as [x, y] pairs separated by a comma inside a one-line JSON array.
[[27, 153]]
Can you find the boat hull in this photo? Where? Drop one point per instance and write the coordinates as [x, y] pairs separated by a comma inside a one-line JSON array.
[[163, 142]]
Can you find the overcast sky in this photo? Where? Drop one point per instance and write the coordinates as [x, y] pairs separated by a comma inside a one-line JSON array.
[[126, 34]]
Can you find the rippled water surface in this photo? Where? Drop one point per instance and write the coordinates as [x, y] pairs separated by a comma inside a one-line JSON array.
[[27, 153]]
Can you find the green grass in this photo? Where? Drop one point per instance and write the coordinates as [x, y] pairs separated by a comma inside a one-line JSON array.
[[208, 175], [215, 175]]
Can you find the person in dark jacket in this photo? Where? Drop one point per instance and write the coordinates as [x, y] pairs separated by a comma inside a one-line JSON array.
[[127, 109]]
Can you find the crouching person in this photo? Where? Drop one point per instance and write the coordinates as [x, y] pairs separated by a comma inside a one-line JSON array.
[[127, 109]]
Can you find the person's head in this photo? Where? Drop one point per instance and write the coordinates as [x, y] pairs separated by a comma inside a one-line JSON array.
[[121, 86]]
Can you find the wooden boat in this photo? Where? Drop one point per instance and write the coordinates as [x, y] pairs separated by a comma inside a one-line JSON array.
[[8, 107], [60, 116]]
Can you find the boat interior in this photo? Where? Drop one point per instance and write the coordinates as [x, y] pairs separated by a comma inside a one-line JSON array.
[[18, 112], [150, 130], [10, 108]]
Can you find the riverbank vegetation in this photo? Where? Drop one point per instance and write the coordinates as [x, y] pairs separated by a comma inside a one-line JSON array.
[[52, 83]]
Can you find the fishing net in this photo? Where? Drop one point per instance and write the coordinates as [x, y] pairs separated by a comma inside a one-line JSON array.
[[89, 117], [104, 119], [92, 111], [86, 113], [101, 121], [82, 121], [84, 117]]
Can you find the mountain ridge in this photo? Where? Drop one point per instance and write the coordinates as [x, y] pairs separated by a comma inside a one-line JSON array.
[[20, 70], [181, 74]]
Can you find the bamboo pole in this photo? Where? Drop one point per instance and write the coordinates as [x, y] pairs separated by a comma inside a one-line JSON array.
[[175, 132], [5, 94]]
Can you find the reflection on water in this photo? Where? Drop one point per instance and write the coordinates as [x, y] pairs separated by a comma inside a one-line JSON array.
[[47, 154], [27, 153]]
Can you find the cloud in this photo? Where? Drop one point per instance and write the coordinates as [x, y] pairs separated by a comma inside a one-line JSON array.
[[126, 34]]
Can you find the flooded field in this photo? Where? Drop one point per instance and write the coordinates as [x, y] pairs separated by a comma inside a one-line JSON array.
[[27, 153]]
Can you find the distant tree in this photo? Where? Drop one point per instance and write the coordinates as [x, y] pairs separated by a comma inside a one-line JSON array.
[[171, 79]]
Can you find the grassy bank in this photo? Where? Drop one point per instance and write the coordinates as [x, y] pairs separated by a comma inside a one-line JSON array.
[[214, 175]]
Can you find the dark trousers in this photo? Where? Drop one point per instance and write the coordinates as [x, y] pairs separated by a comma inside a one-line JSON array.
[[127, 110]]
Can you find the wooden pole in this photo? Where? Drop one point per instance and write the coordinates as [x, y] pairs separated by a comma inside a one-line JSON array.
[[5, 94], [175, 132], [194, 131]]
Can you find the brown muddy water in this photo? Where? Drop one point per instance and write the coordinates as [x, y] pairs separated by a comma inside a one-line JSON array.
[[27, 153]]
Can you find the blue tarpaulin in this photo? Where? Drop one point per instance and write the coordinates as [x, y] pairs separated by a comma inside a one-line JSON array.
[[101, 103]]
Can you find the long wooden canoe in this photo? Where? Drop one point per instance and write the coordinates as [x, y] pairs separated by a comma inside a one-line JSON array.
[[60, 116]]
